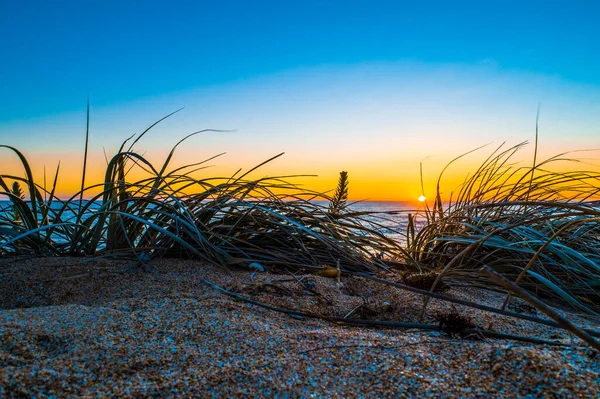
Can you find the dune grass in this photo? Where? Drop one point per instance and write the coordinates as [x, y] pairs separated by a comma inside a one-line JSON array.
[[536, 229], [174, 213]]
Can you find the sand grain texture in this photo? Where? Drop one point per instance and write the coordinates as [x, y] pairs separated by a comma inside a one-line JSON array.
[[161, 333]]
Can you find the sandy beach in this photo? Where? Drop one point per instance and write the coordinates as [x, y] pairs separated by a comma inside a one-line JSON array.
[[74, 328], [310, 199]]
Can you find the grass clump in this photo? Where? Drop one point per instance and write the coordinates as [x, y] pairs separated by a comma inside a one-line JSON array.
[[175, 212], [537, 227]]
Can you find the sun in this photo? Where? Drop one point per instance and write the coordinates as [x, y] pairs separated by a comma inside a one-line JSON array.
[[421, 198]]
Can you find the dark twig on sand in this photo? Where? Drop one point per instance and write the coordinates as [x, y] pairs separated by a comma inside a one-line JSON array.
[[382, 347], [474, 305], [379, 323]]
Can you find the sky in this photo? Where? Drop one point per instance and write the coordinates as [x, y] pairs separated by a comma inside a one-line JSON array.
[[374, 88]]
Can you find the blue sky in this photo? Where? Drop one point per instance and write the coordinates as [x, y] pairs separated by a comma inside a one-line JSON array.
[[55, 53], [371, 87]]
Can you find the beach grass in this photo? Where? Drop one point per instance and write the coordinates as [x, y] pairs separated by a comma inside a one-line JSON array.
[[537, 227], [519, 230], [174, 213]]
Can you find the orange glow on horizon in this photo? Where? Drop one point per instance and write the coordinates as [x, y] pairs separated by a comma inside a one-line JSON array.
[[391, 179]]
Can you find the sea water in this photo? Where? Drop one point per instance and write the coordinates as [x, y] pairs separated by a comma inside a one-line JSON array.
[[387, 217]]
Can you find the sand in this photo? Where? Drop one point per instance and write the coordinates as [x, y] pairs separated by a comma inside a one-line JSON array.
[[76, 328]]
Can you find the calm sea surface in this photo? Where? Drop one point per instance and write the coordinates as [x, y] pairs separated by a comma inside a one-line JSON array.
[[391, 217]]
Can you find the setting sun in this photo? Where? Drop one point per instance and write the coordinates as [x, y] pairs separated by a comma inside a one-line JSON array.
[[421, 198]]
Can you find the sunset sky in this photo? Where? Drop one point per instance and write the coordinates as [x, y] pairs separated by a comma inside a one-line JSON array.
[[373, 87]]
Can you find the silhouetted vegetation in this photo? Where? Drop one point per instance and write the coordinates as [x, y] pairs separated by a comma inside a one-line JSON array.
[[535, 227]]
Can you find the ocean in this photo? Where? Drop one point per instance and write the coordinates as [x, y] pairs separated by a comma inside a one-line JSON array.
[[391, 217]]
